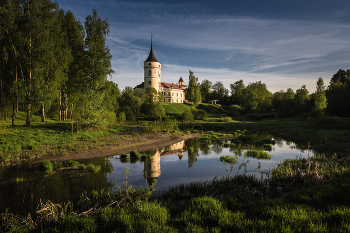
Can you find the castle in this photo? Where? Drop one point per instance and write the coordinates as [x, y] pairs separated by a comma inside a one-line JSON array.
[[173, 93]]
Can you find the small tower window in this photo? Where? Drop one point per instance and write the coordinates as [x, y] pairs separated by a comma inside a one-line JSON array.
[[149, 82], [149, 73], [149, 64], [155, 71]]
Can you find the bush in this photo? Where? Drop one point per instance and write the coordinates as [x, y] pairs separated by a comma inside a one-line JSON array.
[[73, 164], [268, 147], [134, 154], [187, 115], [199, 114], [258, 154], [57, 165], [46, 165], [228, 159], [123, 156]]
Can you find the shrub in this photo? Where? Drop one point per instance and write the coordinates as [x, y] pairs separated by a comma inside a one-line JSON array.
[[146, 156], [268, 147], [123, 156], [199, 114], [226, 144], [73, 164], [93, 168], [46, 165], [228, 159], [187, 115], [226, 119], [258, 154], [57, 165], [134, 154]]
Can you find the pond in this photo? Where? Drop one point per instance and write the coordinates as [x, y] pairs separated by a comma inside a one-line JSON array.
[[22, 187]]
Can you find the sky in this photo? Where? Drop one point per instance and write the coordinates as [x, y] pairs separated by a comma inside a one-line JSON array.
[[282, 43]]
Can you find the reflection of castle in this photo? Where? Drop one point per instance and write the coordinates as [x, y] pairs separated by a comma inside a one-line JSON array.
[[152, 167]]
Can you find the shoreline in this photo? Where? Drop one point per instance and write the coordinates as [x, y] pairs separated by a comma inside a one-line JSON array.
[[144, 143]]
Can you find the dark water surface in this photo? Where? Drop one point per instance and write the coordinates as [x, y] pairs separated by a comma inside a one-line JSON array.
[[22, 187]]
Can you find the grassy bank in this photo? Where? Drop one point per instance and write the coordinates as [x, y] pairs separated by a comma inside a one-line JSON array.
[[300, 195]]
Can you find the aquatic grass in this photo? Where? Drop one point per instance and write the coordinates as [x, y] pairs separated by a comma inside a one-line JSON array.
[[93, 168], [123, 156], [267, 147], [163, 124], [228, 159], [46, 165], [226, 144], [134, 154], [57, 165], [258, 154], [72, 163]]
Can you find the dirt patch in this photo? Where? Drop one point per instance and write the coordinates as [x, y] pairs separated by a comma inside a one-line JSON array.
[[139, 143]]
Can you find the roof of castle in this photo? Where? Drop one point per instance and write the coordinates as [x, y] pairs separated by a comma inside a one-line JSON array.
[[151, 56], [172, 85]]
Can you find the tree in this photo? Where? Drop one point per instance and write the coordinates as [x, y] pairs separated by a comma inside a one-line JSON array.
[[192, 93], [236, 92], [320, 96], [219, 92], [205, 90], [256, 97], [98, 64]]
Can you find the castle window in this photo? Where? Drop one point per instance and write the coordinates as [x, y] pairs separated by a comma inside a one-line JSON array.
[[177, 94], [155, 71], [149, 64], [177, 101], [172, 94], [149, 73], [149, 82], [181, 95], [168, 93]]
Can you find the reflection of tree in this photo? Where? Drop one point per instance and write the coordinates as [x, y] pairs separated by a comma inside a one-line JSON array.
[[237, 150], [58, 186], [205, 148], [192, 156], [216, 146]]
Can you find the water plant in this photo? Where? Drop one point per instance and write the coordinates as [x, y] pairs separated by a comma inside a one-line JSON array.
[[72, 163], [46, 165], [134, 154], [258, 154], [228, 159], [93, 168], [226, 144], [57, 165], [267, 147], [123, 156]]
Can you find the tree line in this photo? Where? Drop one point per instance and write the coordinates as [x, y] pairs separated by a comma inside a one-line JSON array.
[[255, 97], [52, 64]]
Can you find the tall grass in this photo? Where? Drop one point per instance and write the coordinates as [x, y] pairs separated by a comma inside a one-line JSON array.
[[167, 124]]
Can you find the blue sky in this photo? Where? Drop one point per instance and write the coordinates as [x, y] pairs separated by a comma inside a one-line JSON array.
[[282, 43]]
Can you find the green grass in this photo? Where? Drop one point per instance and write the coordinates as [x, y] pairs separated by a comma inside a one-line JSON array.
[[24, 142], [175, 108], [134, 154]]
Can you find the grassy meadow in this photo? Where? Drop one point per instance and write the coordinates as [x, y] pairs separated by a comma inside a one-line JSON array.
[[300, 195]]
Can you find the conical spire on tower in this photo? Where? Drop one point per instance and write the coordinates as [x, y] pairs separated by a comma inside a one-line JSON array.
[[151, 56]]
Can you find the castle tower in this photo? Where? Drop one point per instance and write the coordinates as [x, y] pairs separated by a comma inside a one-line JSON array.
[[152, 69]]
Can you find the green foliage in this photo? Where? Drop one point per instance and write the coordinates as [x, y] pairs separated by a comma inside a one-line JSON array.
[[268, 147], [199, 114], [187, 115], [256, 98], [93, 168], [190, 150], [72, 163], [192, 92], [166, 124], [124, 156], [134, 154], [57, 165], [146, 156], [47, 166], [228, 159], [258, 154]]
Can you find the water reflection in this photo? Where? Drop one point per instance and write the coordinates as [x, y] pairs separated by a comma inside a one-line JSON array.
[[23, 186]]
